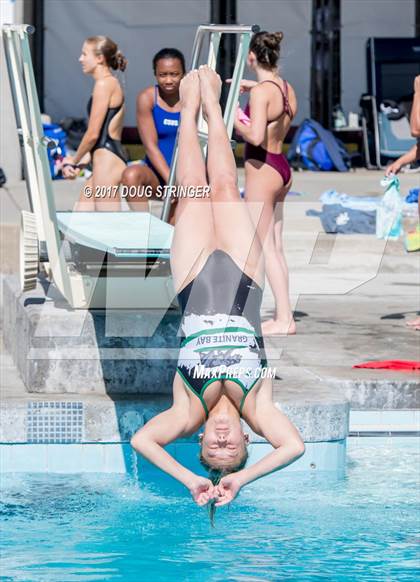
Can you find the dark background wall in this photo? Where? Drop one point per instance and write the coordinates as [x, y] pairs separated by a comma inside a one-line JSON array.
[[141, 27]]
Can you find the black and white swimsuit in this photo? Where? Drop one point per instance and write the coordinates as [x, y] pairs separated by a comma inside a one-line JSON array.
[[221, 328]]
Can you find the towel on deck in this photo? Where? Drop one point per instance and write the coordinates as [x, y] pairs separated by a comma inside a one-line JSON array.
[[391, 365]]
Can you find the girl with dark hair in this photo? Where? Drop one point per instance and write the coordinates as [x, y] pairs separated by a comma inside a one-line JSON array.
[[158, 110], [218, 273], [102, 140], [264, 125]]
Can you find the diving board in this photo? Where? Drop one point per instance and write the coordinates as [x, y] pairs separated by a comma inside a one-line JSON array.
[[130, 234]]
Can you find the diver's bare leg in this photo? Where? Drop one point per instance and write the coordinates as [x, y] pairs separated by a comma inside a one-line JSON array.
[[194, 232], [190, 168], [235, 231]]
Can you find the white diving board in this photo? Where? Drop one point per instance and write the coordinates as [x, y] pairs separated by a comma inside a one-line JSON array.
[[124, 234]]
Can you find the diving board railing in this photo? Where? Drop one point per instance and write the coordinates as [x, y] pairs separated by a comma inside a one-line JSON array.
[[245, 33], [36, 166]]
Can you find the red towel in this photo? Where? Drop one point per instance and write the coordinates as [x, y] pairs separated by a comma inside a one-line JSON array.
[[391, 365]]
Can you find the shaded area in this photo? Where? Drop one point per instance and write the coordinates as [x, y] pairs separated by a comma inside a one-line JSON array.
[[401, 315]]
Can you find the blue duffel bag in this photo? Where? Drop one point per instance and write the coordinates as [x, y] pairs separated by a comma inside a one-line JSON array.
[[315, 148]]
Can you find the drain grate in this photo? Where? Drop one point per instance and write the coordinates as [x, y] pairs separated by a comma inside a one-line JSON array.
[[54, 422]]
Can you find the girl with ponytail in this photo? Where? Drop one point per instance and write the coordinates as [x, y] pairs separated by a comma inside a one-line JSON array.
[[264, 125], [102, 140]]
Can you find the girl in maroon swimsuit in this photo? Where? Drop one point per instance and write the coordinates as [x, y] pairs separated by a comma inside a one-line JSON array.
[[264, 125]]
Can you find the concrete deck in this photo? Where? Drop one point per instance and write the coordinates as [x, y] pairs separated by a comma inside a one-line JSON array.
[[351, 294]]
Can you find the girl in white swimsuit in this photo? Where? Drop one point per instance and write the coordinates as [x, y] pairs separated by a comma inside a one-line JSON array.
[[217, 269]]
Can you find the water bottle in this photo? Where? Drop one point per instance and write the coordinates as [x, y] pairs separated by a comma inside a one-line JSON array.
[[388, 214], [411, 227]]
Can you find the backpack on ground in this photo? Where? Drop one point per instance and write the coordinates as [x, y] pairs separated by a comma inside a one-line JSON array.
[[58, 151], [315, 148]]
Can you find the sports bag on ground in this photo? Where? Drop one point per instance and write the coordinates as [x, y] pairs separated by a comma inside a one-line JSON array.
[[315, 148]]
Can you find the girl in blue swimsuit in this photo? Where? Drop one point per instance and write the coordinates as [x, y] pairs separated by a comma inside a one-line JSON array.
[[158, 111], [218, 273]]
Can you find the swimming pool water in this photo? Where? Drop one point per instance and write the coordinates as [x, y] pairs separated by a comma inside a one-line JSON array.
[[299, 527]]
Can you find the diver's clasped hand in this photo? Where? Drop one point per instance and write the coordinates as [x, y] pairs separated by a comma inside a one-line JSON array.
[[203, 491], [228, 488]]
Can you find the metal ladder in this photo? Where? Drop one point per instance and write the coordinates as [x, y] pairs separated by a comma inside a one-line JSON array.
[[245, 33]]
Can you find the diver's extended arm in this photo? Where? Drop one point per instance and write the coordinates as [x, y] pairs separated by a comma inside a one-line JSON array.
[[283, 436], [160, 431]]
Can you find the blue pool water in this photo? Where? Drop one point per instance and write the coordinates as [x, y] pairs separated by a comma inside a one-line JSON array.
[[297, 527]]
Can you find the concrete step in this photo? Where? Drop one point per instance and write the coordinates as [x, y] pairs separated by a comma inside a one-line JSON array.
[[58, 349], [321, 415]]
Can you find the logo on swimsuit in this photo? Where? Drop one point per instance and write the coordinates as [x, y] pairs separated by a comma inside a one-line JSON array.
[[173, 122], [217, 358], [254, 347], [224, 339]]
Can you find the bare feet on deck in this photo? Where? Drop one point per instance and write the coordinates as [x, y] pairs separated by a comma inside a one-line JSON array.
[[414, 323], [278, 327]]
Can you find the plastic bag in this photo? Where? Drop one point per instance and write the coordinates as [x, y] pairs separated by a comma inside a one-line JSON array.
[[388, 213]]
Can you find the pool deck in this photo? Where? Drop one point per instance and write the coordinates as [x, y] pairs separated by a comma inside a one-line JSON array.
[[352, 296]]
